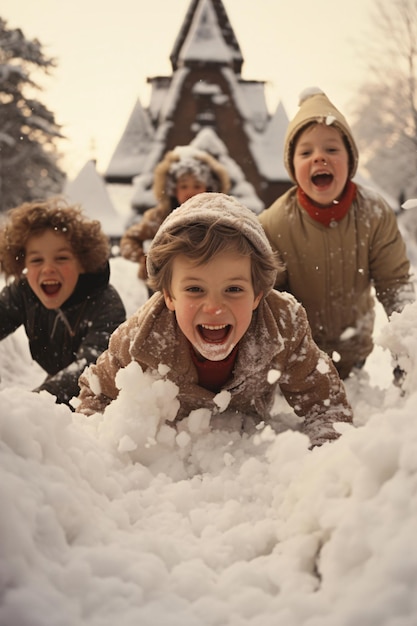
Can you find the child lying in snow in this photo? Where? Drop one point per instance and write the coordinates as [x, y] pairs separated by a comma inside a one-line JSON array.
[[216, 322], [61, 292]]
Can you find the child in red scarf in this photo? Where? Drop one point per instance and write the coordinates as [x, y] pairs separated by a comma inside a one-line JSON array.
[[336, 238]]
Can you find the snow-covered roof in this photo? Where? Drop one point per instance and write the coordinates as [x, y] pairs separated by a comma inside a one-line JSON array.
[[204, 40], [132, 148], [89, 190], [268, 147], [206, 35], [160, 88], [253, 93], [173, 94]]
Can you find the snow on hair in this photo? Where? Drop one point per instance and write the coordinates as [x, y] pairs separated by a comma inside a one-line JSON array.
[[188, 165]]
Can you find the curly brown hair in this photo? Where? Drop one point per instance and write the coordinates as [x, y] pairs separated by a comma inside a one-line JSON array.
[[86, 238]]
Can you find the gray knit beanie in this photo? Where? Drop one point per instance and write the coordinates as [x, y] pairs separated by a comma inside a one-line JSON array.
[[316, 107], [207, 208]]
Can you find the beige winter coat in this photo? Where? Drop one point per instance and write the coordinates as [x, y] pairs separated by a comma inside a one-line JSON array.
[[132, 242], [331, 270], [278, 339]]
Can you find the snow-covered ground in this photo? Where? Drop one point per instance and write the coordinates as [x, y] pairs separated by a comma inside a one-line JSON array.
[[113, 520]]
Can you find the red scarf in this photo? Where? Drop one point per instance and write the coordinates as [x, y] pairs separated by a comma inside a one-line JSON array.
[[213, 375], [328, 215]]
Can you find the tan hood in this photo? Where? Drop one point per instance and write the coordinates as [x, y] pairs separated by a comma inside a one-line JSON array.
[[316, 107]]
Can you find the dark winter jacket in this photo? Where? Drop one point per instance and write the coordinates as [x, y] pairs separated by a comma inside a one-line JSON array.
[[63, 341]]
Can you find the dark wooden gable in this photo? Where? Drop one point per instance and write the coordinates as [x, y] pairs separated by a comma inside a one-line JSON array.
[[206, 91]]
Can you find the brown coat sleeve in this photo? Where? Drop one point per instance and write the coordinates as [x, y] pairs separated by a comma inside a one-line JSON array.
[[131, 244], [309, 380], [312, 386]]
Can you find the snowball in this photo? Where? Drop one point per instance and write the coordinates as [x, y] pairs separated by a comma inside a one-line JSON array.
[[322, 366], [163, 369], [348, 333], [273, 376], [222, 400], [336, 356]]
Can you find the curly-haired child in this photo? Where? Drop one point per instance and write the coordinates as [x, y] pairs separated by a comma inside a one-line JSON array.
[[59, 261]]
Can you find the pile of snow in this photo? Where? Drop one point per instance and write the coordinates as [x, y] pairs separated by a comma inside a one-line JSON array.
[[120, 519]]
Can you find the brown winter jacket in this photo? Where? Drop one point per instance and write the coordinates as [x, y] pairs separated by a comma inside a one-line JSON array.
[[132, 242], [278, 339], [331, 270]]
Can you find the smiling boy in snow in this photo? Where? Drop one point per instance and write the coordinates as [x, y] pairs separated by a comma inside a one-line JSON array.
[[217, 324], [61, 292], [336, 238]]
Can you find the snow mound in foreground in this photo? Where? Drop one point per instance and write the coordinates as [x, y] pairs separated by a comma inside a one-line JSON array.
[[115, 519]]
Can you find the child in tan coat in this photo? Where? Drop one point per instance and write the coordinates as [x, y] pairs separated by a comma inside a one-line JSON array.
[[337, 239], [217, 325]]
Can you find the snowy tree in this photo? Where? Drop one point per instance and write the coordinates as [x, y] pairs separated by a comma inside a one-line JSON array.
[[28, 156], [386, 109]]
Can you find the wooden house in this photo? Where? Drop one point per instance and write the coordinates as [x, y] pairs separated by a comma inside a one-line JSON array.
[[205, 102]]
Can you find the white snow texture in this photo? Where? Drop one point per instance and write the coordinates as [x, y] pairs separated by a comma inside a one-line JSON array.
[[118, 519]]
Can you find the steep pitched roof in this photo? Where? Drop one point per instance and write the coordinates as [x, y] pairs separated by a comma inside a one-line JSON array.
[[132, 149], [206, 35], [89, 190]]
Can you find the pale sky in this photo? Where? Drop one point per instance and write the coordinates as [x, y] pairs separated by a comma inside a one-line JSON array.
[[106, 50]]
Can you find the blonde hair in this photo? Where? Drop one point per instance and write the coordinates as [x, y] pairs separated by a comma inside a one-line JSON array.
[[86, 238]]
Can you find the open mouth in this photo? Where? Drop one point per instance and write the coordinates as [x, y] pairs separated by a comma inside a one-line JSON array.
[[51, 287], [211, 333], [322, 179]]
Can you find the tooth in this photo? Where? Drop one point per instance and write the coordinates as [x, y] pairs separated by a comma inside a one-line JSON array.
[[208, 327]]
